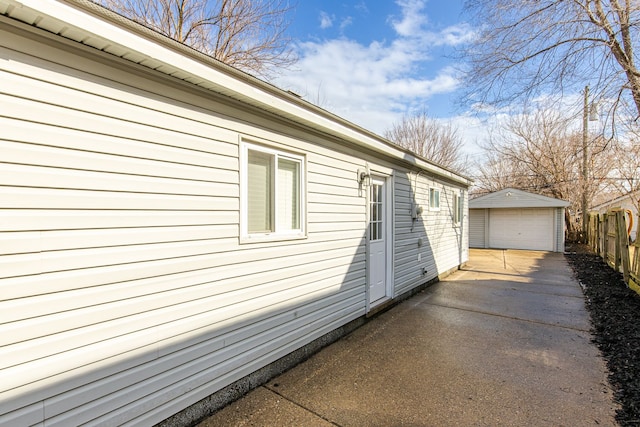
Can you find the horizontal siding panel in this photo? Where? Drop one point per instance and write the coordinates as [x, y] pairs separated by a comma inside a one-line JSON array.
[[112, 107], [323, 188], [149, 294], [332, 180], [43, 241], [226, 265], [262, 330], [132, 321], [338, 217], [30, 415], [72, 149], [45, 177], [237, 368], [122, 336], [314, 199], [57, 116], [335, 208], [74, 219], [319, 170], [23, 264], [55, 198], [322, 227], [54, 282]]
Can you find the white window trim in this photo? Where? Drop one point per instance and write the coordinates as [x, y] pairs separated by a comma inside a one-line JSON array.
[[434, 208], [245, 236]]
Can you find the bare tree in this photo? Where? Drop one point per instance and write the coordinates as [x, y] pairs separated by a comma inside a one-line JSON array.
[[538, 152], [625, 177], [429, 138], [247, 34], [528, 48]]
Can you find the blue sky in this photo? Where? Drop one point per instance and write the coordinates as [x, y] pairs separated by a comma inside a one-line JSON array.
[[373, 61]]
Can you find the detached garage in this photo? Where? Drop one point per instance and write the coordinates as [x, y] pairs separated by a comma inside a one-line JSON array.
[[515, 219]]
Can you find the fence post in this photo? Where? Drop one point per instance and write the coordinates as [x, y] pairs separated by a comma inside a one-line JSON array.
[[605, 238], [623, 243]]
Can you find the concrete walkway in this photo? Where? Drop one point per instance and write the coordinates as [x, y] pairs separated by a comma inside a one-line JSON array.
[[503, 342]]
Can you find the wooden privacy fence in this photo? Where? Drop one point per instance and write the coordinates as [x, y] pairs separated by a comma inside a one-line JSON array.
[[608, 236]]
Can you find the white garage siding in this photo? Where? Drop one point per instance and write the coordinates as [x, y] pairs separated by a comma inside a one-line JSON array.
[[125, 295], [531, 229], [477, 228], [516, 219]]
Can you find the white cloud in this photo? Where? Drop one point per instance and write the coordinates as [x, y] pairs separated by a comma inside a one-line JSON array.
[[326, 21], [413, 18], [374, 85], [345, 23]]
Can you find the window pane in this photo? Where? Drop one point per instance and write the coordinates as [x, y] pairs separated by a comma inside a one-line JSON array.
[[259, 189], [288, 194], [434, 198], [456, 216]]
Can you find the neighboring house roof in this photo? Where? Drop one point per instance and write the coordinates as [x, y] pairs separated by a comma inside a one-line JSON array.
[[103, 30], [632, 198], [513, 198]]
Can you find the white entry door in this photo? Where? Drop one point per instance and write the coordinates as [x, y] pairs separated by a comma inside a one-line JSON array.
[[377, 241]]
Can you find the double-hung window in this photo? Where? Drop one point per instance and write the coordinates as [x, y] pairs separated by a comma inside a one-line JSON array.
[[434, 199], [272, 194]]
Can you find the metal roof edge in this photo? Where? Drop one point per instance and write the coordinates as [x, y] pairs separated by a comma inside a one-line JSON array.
[[485, 201]]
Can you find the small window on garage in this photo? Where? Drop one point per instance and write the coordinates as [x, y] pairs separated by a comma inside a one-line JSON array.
[[434, 199], [272, 194]]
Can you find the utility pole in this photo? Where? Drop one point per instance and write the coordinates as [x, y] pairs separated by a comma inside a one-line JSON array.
[[585, 170]]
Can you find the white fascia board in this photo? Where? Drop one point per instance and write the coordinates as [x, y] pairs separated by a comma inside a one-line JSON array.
[[227, 81]]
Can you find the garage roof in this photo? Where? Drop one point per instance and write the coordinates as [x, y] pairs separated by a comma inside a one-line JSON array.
[[513, 198]]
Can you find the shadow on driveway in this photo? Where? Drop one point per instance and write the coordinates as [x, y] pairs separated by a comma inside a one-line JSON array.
[[505, 341]]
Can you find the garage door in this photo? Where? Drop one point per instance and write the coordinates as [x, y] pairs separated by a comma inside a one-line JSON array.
[[521, 229]]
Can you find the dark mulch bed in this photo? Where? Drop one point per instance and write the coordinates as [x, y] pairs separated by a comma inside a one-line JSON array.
[[615, 320]]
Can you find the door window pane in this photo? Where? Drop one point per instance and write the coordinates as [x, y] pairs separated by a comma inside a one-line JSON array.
[[376, 213]]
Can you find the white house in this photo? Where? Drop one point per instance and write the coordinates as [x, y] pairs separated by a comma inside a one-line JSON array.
[[516, 219], [174, 231], [629, 203]]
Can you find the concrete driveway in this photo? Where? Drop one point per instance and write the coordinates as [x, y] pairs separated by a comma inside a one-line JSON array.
[[504, 341]]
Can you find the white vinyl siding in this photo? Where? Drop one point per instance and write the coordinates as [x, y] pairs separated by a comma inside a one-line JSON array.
[[122, 280], [444, 245], [477, 228], [126, 295]]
